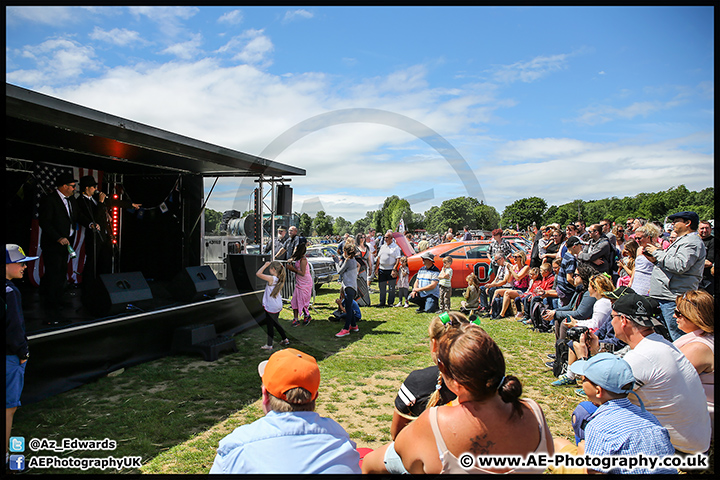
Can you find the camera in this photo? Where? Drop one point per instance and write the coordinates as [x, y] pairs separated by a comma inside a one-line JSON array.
[[574, 333]]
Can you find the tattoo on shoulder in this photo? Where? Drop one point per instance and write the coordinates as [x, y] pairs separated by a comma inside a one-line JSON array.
[[480, 445]]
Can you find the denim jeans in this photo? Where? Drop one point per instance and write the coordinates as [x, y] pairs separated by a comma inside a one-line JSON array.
[[667, 307], [385, 280], [485, 295], [427, 304]]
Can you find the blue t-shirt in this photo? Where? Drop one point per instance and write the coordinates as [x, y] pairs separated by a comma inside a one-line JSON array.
[[288, 442], [620, 428], [568, 265], [425, 277]]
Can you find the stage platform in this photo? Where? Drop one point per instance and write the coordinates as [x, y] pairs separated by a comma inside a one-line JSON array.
[[85, 348]]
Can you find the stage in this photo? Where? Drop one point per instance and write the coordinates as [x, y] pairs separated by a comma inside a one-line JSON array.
[[163, 172]]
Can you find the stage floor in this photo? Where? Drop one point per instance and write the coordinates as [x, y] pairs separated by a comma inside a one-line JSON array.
[[74, 313]]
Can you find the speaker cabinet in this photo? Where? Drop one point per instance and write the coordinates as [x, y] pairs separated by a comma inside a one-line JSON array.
[[115, 291], [284, 200], [243, 268], [195, 283]]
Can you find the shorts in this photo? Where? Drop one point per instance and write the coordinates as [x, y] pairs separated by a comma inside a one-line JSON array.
[[14, 380]]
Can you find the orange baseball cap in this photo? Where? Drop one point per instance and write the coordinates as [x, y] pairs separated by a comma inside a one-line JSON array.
[[288, 369]]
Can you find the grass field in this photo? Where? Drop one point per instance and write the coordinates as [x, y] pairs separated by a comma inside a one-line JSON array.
[[173, 412]]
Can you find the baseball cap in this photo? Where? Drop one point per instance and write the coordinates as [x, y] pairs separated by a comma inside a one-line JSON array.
[[429, 255], [692, 216], [574, 240], [618, 292], [15, 254], [638, 308], [288, 369], [606, 370]]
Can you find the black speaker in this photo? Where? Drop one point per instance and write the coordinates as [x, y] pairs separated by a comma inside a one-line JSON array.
[[243, 268], [195, 283], [115, 291], [283, 206]]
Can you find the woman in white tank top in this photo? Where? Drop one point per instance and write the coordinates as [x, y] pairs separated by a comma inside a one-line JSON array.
[[488, 419]]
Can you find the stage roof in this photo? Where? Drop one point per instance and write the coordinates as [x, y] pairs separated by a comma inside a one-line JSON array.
[[46, 129]]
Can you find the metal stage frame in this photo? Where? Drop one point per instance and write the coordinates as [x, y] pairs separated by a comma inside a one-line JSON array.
[[43, 129]]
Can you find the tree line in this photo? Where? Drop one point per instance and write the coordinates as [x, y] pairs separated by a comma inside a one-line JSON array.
[[458, 212]]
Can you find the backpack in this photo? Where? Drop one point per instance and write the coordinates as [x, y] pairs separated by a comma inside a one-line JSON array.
[[561, 357], [537, 308]]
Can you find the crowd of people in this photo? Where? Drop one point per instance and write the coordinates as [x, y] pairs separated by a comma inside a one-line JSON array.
[[631, 308], [632, 311]]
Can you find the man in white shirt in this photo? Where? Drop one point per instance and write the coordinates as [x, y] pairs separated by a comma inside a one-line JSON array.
[[665, 380], [386, 268]]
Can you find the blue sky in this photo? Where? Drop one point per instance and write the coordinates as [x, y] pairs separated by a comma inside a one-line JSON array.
[[555, 102]]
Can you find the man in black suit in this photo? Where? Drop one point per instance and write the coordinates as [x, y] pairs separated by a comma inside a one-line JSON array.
[[94, 216], [58, 221]]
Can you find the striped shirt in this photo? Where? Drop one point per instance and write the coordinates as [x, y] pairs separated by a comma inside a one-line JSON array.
[[620, 428]]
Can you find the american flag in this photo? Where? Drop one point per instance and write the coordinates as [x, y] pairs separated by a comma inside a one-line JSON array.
[[45, 175]]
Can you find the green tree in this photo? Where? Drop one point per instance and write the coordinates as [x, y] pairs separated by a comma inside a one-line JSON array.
[[212, 221], [524, 212], [485, 218], [341, 226], [304, 224], [323, 224]]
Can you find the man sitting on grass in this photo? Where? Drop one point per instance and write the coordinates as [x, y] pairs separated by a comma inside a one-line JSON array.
[[291, 437]]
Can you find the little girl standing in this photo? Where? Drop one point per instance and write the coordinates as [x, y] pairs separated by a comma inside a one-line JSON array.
[[403, 282], [272, 300]]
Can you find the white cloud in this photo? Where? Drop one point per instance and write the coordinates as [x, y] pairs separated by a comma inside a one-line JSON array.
[[233, 17], [532, 70], [591, 171], [56, 60], [301, 14], [185, 50], [252, 47], [117, 36], [169, 19], [43, 15]]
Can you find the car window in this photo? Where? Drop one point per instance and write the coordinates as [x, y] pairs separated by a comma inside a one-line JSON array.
[[479, 251], [458, 252], [314, 253]]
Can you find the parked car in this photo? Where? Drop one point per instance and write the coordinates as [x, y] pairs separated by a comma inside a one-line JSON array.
[[322, 265], [468, 257]]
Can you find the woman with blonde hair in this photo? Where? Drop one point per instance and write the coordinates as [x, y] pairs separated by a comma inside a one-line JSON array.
[[626, 266], [695, 315], [640, 281], [425, 388], [598, 286], [489, 417]]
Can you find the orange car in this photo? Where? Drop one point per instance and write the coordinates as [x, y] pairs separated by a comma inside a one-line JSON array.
[[468, 257]]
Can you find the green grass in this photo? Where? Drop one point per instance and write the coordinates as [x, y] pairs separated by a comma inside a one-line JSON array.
[[172, 412]]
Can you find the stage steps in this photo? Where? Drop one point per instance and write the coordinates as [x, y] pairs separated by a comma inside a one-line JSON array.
[[201, 338]]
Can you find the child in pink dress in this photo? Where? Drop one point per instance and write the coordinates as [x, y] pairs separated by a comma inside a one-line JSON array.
[[303, 284]]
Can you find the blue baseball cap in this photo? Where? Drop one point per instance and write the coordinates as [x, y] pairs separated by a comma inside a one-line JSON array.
[[15, 254], [606, 370]]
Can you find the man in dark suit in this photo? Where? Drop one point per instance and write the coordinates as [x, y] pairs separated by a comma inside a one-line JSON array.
[[94, 216], [58, 221]]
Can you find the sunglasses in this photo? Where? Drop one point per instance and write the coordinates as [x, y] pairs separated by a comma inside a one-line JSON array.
[[678, 313]]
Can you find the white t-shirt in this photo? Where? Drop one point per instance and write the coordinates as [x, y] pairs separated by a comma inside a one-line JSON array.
[[270, 304], [671, 390], [601, 311], [388, 255]]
